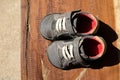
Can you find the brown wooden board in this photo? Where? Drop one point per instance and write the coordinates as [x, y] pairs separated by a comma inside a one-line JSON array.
[[34, 61]]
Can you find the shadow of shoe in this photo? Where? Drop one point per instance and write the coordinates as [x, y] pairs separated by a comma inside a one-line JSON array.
[[106, 32], [112, 55]]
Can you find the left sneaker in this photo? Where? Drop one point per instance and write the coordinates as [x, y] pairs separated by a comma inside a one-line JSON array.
[[56, 25]]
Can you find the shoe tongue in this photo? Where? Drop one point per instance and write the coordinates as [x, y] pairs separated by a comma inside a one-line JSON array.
[[75, 22], [74, 17], [77, 50], [79, 45], [82, 52]]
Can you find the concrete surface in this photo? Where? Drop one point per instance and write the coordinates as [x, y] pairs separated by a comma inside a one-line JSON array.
[[10, 40], [117, 19], [117, 24]]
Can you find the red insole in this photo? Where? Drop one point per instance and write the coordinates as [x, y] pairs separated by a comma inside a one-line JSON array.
[[85, 23], [92, 47]]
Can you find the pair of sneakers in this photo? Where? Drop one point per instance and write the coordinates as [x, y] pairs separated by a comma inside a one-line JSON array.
[[73, 43]]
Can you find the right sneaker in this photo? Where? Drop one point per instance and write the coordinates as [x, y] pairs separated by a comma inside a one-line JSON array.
[[56, 25], [77, 51]]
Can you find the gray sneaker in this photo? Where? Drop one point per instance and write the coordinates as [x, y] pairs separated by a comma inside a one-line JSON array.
[[56, 25], [78, 51]]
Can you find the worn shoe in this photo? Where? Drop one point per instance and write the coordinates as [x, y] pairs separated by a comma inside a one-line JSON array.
[[77, 51], [56, 25]]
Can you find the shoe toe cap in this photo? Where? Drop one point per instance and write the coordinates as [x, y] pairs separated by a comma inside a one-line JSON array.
[[53, 55], [45, 26]]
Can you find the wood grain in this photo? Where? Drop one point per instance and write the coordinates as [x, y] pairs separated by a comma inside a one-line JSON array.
[[35, 65]]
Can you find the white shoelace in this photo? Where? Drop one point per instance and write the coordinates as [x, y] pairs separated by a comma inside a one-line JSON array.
[[60, 24], [67, 52]]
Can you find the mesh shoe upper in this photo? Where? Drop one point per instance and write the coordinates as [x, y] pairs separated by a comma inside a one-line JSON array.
[[64, 54]]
